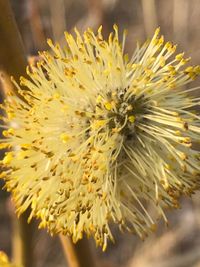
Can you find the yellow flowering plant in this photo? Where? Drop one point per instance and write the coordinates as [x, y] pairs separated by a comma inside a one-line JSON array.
[[96, 136]]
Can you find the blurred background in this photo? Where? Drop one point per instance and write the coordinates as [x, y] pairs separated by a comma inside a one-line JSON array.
[[177, 245]]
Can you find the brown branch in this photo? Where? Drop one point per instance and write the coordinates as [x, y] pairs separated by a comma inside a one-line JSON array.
[[12, 55], [13, 62], [77, 255]]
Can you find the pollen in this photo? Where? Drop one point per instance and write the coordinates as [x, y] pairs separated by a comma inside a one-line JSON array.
[[56, 96], [99, 99], [11, 115], [8, 158], [131, 118], [108, 105], [64, 137]]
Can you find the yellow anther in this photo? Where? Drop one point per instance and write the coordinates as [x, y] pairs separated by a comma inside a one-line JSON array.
[[183, 156], [11, 115], [4, 145], [172, 69], [22, 80], [106, 71], [108, 106], [114, 94], [25, 145], [64, 137], [148, 72], [151, 60], [49, 42], [32, 111], [178, 133], [157, 31], [99, 99], [11, 131], [90, 188], [109, 64], [172, 85], [92, 228], [104, 195], [134, 66], [110, 38], [105, 244], [5, 133], [126, 58], [56, 96], [64, 108], [8, 158], [162, 61], [161, 40], [165, 185], [189, 69], [131, 118], [167, 166], [125, 32], [187, 140], [169, 46], [98, 123], [184, 61], [130, 107], [100, 31], [115, 27], [197, 69], [179, 57]]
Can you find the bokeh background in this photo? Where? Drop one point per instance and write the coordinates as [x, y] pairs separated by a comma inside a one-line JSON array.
[[177, 245]]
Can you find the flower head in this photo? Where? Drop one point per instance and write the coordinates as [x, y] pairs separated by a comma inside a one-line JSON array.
[[100, 135]]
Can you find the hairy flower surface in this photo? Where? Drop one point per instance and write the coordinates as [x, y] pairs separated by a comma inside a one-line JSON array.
[[100, 135]]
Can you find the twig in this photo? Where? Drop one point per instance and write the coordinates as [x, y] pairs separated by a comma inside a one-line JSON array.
[[22, 243], [13, 62], [12, 55], [77, 255]]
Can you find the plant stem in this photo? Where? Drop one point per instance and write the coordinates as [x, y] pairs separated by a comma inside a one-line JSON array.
[[22, 240], [77, 255], [13, 62], [12, 56]]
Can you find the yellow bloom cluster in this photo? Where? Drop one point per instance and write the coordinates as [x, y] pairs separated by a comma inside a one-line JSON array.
[[99, 135]]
